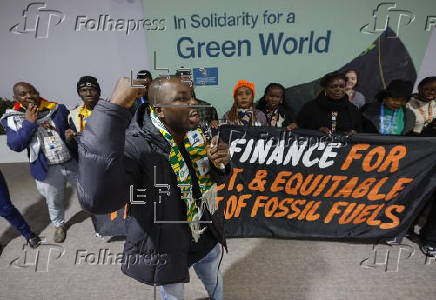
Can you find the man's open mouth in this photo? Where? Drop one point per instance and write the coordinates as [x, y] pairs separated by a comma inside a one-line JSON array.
[[194, 116]]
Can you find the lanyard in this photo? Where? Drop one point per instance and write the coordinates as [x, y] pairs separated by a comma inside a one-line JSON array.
[[386, 128], [245, 117], [334, 117]]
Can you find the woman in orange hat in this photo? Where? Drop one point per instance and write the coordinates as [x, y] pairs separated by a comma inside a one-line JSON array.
[[243, 111]]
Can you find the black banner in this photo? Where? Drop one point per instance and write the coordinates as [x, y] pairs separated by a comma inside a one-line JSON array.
[[303, 184]]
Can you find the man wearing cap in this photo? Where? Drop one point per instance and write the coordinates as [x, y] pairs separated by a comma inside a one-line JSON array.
[[42, 128], [89, 91]]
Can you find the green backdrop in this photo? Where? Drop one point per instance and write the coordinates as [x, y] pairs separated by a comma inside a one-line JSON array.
[[343, 19]]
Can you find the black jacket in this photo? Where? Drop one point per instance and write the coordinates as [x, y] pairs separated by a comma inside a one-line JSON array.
[[318, 113], [429, 130], [371, 119], [116, 159]]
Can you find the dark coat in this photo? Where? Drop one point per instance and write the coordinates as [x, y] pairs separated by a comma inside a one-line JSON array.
[[371, 119], [429, 130], [316, 114], [115, 155]]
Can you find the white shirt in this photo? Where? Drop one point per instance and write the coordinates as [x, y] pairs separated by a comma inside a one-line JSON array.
[[424, 112]]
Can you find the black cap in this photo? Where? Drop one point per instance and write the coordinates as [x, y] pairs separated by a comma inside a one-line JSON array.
[[143, 74], [91, 81], [400, 88]]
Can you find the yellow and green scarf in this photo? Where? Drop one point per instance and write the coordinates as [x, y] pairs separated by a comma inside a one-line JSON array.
[[80, 116], [195, 145]]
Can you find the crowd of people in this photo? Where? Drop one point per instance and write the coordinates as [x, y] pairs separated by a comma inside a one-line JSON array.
[[138, 129]]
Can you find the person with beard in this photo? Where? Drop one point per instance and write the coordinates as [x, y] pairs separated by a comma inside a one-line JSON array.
[[271, 104], [42, 128], [331, 111], [423, 105], [160, 144], [389, 114], [242, 111]]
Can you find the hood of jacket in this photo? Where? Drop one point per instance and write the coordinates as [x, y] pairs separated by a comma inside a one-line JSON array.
[[141, 125]]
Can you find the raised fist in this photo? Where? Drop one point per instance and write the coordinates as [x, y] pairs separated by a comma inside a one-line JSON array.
[[124, 94]]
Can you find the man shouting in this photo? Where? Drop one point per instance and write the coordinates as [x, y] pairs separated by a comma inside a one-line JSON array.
[[164, 169]]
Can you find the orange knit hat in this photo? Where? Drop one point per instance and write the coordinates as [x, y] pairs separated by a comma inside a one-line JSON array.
[[245, 83]]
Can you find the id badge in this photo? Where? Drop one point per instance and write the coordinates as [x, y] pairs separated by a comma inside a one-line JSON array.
[[195, 138], [203, 166], [52, 143]]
